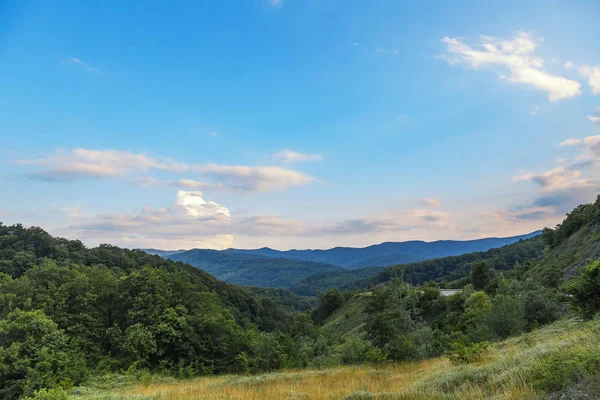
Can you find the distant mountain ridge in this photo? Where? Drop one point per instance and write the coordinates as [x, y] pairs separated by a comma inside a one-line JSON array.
[[388, 253], [250, 269], [271, 268]]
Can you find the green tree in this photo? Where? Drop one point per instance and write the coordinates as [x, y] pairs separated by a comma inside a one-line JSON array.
[[35, 354], [480, 275], [585, 289]]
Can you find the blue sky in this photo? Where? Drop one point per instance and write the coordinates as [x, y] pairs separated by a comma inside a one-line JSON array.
[[296, 124]]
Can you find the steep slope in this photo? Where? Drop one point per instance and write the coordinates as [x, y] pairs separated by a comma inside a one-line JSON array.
[[349, 319], [388, 253], [561, 261], [251, 270]]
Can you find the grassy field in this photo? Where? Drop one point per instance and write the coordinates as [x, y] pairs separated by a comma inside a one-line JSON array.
[[552, 359]]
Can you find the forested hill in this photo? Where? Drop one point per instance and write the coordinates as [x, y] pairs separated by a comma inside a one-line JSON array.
[[389, 253], [249, 269], [448, 271], [66, 309]]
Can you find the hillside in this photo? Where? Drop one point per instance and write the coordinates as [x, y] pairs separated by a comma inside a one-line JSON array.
[[348, 320], [388, 253], [576, 250], [323, 281], [446, 269], [555, 362], [249, 269]]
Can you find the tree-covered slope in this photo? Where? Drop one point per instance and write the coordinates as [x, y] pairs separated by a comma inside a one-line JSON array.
[[323, 281], [443, 270], [388, 253], [571, 244], [249, 269]]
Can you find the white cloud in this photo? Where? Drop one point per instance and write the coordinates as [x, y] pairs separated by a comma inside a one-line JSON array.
[[589, 143], [197, 207], [595, 117], [68, 165], [275, 3], [87, 67], [191, 222], [593, 76], [518, 56], [290, 156], [561, 160], [569, 65], [557, 178], [570, 142], [430, 202]]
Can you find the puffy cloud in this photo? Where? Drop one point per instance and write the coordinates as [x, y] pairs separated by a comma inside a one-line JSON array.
[[569, 65], [430, 202], [192, 221], [290, 156], [518, 56], [197, 207], [593, 76], [68, 165]]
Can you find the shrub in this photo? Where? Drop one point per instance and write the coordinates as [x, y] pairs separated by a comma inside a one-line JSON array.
[[461, 353], [375, 355], [585, 290]]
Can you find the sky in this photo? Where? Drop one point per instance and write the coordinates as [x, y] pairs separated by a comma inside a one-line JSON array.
[[296, 123]]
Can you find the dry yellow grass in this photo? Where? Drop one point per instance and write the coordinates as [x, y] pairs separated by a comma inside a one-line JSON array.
[[324, 384], [505, 372]]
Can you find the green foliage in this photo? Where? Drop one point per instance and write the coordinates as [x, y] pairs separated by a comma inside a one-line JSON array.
[[251, 270], [466, 353], [35, 354], [375, 355], [394, 324], [506, 316], [451, 269], [328, 303], [585, 289], [575, 220], [480, 275], [562, 369]]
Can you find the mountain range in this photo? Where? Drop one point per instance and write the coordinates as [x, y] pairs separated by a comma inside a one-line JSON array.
[[266, 267]]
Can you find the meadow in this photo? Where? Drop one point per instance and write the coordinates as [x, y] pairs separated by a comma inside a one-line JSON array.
[[561, 359]]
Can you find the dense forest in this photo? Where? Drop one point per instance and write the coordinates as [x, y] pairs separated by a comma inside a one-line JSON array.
[[68, 312]]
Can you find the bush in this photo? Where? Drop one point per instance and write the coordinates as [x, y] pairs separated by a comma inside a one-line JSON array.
[[375, 355], [507, 315], [585, 289], [461, 353]]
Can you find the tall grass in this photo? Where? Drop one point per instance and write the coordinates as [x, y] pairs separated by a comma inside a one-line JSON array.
[[524, 367]]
